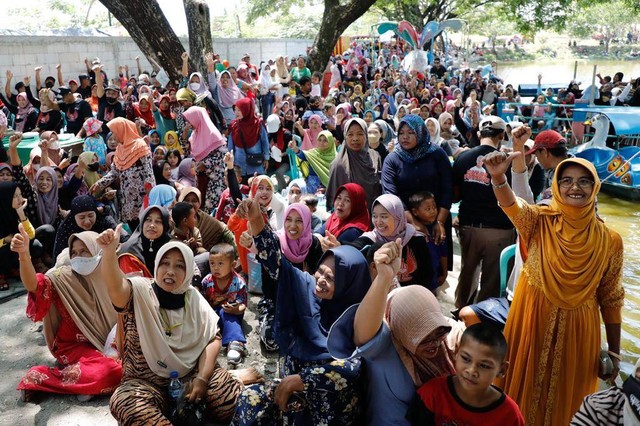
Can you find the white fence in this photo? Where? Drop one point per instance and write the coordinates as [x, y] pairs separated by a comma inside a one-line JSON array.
[[21, 54]]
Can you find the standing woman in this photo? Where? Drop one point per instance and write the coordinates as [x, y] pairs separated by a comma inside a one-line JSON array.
[[133, 166], [248, 139], [282, 76], [228, 94], [167, 326], [416, 164], [571, 277], [207, 147], [356, 163]]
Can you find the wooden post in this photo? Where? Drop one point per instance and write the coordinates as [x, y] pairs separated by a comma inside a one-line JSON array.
[[575, 70]]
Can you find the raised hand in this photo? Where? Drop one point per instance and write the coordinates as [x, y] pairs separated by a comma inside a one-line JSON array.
[[388, 259], [26, 80], [109, 239], [228, 160], [520, 136], [58, 66], [15, 140], [185, 56], [38, 68], [20, 241]]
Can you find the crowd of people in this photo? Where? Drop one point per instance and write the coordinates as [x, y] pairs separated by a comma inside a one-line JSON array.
[[329, 193]]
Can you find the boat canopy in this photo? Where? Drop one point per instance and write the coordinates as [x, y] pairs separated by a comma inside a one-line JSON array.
[[624, 119]]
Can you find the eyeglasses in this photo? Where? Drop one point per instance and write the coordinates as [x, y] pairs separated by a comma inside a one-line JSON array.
[[432, 343], [583, 183]]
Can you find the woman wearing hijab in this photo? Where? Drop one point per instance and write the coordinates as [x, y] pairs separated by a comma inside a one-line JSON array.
[[417, 165], [282, 76], [310, 135], [326, 391], [25, 115], [143, 110], [350, 217], [172, 141], [12, 207], [83, 216], [211, 229], [343, 114], [319, 159], [403, 337], [571, 277], [267, 88], [187, 172], [49, 216], [298, 243], [197, 84], [163, 196], [390, 223], [208, 149], [132, 165], [452, 140], [355, 163], [164, 118], [49, 118], [138, 254], [54, 152], [167, 327], [248, 139], [77, 315], [227, 95]]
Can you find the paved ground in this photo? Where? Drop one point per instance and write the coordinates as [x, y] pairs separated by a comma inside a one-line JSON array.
[[23, 346]]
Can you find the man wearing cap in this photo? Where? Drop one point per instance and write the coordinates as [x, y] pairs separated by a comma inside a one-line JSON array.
[[109, 106], [252, 68], [550, 148], [91, 70], [483, 227], [75, 110]]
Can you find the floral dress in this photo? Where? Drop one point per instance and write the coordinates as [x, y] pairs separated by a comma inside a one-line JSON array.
[[330, 395], [82, 369], [132, 186]]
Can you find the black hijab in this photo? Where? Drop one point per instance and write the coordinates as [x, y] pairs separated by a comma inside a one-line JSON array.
[[8, 216], [157, 172], [143, 248]]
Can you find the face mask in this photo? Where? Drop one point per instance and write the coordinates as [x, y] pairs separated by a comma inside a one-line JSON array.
[[35, 167], [94, 167], [194, 86], [49, 85], [85, 265], [54, 145], [112, 100]]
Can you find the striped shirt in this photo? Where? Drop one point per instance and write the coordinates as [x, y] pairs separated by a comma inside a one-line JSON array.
[[601, 408]]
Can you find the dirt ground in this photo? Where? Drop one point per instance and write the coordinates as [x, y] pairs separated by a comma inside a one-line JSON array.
[[23, 346]]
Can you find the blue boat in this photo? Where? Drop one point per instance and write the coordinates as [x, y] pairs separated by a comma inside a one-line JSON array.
[[613, 148]]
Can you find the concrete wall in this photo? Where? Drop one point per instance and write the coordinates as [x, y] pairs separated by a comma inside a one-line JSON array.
[[21, 54]]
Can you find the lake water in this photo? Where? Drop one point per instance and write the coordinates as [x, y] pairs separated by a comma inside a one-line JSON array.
[[621, 215]]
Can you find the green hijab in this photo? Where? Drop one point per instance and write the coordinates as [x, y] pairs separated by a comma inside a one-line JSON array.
[[320, 160]]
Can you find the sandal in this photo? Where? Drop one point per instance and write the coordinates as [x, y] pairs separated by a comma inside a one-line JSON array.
[[236, 351], [4, 285]]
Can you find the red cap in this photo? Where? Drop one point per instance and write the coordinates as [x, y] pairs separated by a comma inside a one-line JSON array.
[[547, 139]]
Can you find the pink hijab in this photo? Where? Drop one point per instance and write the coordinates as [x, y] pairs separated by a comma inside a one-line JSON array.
[[205, 137], [311, 136], [404, 230], [296, 250]]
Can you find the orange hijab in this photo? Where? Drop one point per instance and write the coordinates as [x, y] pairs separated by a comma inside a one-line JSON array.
[[575, 245], [131, 147]]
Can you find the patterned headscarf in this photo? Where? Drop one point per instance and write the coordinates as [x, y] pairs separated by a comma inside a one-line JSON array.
[[424, 145]]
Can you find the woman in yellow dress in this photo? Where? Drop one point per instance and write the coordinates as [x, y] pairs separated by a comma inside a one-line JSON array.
[[572, 276]]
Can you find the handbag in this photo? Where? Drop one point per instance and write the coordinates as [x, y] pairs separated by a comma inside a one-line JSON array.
[[251, 159]]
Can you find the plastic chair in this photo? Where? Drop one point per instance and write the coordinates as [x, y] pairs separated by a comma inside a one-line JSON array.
[[506, 255]]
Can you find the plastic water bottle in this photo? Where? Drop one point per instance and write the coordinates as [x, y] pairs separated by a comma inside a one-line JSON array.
[[175, 386]]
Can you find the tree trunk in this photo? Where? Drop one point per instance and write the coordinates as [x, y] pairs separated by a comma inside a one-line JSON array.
[[148, 27], [335, 20], [199, 25]]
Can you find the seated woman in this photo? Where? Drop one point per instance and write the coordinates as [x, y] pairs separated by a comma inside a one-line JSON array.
[[403, 337], [211, 229], [389, 223], [315, 389], [319, 158], [83, 216], [77, 316], [295, 190], [167, 326], [298, 243], [12, 212], [138, 254], [350, 217]]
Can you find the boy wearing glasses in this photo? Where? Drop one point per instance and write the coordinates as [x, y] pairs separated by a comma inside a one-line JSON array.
[[468, 397]]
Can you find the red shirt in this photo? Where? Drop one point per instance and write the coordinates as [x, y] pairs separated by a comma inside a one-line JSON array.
[[438, 404]]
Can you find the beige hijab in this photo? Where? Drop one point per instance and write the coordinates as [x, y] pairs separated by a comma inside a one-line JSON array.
[[85, 297], [198, 322], [413, 312]]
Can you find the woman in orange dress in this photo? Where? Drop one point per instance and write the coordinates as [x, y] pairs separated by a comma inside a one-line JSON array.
[[572, 276]]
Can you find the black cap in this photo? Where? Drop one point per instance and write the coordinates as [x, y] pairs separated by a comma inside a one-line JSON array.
[[50, 78], [63, 90], [83, 77], [113, 87]]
